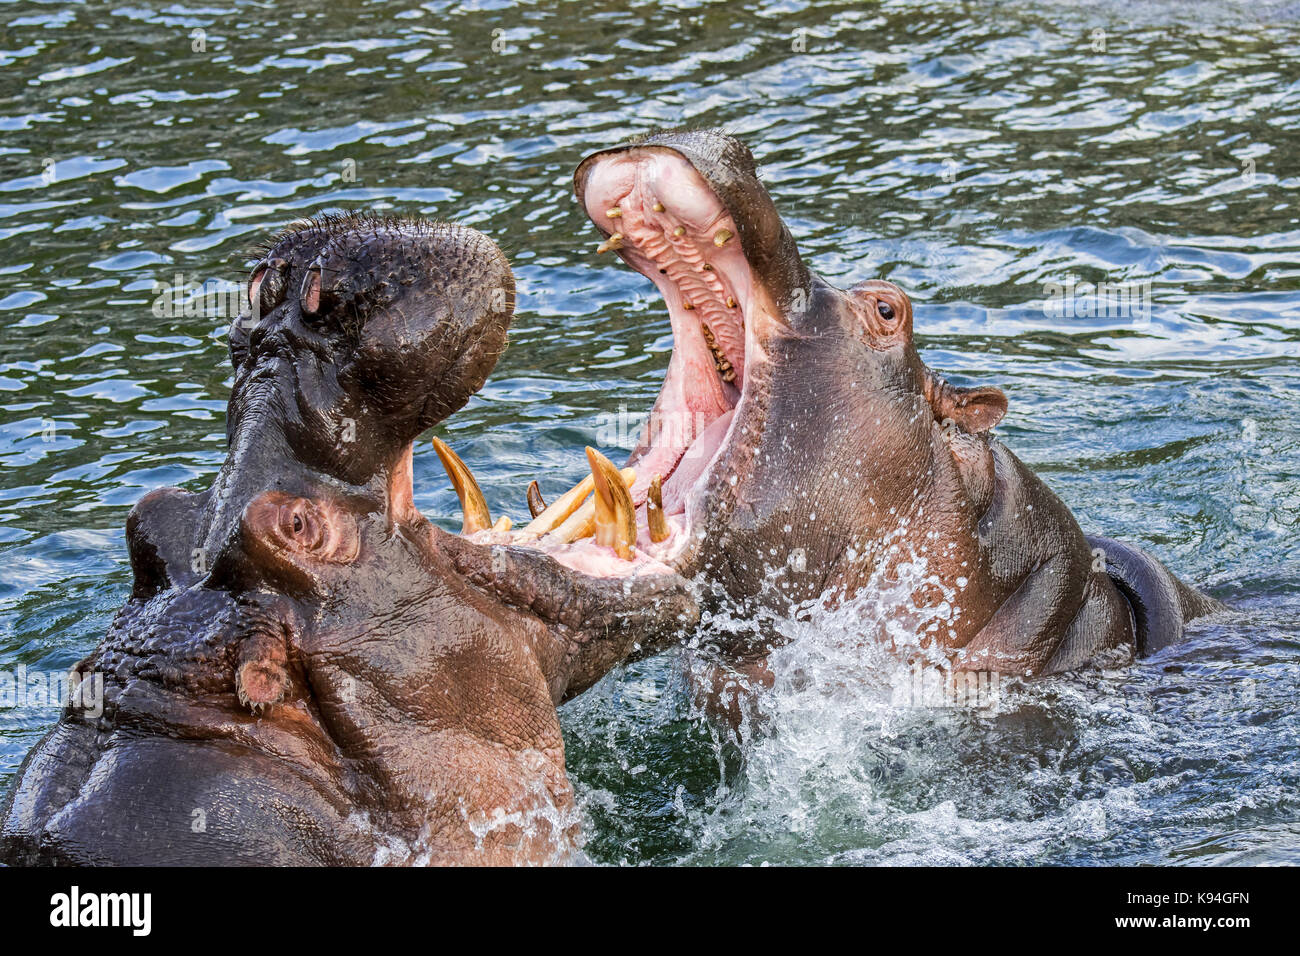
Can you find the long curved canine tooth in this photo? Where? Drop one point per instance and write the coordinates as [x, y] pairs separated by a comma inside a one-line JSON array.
[[613, 242], [472, 502], [615, 516], [582, 523], [720, 237], [654, 510], [536, 503]]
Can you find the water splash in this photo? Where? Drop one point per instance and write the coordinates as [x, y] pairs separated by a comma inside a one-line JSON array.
[[1184, 757]]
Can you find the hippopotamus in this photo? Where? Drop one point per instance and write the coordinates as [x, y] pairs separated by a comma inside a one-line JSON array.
[[306, 670], [801, 451]]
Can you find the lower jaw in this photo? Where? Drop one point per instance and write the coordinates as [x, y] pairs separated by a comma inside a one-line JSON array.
[[572, 532]]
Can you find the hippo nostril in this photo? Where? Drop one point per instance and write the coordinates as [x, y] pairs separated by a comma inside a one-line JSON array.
[[311, 291], [255, 285], [266, 287]]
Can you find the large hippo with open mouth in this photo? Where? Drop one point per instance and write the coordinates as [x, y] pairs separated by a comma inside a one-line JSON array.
[[800, 450], [308, 671]]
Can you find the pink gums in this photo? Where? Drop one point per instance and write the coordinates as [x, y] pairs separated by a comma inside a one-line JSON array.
[[671, 224]]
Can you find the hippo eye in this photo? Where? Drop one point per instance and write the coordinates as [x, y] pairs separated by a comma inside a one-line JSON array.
[[886, 311]]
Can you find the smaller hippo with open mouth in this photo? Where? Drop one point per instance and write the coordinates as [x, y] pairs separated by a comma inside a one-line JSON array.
[[306, 670], [800, 450]]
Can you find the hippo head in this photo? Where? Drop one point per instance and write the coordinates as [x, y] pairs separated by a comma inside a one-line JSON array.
[[796, 423], [308, 671]]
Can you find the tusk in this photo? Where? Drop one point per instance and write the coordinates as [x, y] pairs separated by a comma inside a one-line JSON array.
[[472, 502], [615, 516], [720, 237], [560, 509], [613, 242], [503, 524], [536, 503], [582, 522], [654, 510], [613, 212], [659, 207]]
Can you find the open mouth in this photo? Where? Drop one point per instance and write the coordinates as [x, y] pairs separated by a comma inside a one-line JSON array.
[[665, 221], [661, 217]]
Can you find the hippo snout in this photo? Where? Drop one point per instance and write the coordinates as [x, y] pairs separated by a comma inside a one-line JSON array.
[[306, 670]]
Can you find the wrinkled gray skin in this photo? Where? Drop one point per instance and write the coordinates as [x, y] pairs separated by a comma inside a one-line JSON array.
[[307, 671], [847, 450]]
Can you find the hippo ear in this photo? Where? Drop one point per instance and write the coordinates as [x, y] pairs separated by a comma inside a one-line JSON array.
[[975, 409]]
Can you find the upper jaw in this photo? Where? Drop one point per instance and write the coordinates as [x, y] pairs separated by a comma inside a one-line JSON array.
[[724, 168], [694, 224]]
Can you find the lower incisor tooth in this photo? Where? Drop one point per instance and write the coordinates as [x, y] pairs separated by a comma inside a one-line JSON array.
[[536, 503], [581, 522], [654, 510], [560, 509]]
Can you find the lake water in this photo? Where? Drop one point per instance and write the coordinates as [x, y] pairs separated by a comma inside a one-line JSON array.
[[973, 153]]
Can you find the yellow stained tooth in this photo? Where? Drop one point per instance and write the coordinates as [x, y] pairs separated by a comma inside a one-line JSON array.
[[613, 242], [613, 212], [679, 231], [561, 508], [536, 503], [472, 503], [503, 524], [720, 237], [582, 522], [687, 306], [659, 207], [731, 302], [654, 510], [615, 516]]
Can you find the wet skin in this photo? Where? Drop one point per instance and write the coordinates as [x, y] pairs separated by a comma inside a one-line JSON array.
[[307, 671], [318, 675], [806, 453]]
